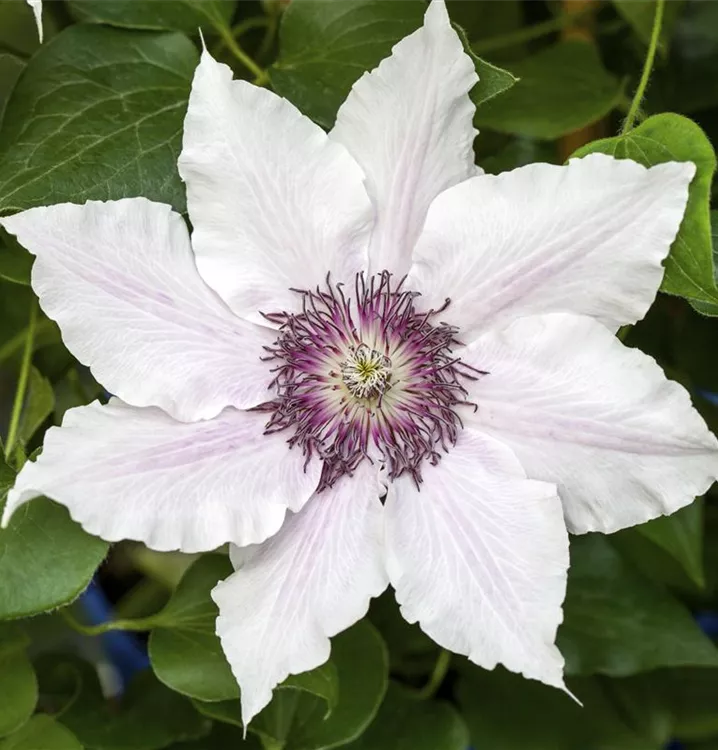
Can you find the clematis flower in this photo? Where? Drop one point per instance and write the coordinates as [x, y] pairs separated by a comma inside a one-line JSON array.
[[36, 6], [371, 364]]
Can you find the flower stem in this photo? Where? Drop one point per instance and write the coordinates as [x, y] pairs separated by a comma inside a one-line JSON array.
[[260, 75], [21, 389], [443, 661], [647, 68], [530, 32], [16, 342], [140, 624]]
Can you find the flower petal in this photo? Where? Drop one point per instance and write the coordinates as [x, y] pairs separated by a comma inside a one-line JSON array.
[[598, 419], [587, 238], [128, 473], [36, 6], [120, 280], [309, 582], [478, 556], [409, 125], [274, 203]]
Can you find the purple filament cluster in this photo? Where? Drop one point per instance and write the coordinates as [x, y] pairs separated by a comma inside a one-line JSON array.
[[367, 376]]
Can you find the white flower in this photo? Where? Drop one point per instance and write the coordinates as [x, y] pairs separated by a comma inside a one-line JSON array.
[[442, 443], [36, 6]]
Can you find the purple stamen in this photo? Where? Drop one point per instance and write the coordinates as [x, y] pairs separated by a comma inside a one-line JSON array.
[[363, 378]]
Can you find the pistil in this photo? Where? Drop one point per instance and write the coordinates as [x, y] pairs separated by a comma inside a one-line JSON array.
[[366, 372]]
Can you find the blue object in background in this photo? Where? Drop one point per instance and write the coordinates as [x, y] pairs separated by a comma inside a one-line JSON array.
[[709, 396], [708, 622], [126, 651]]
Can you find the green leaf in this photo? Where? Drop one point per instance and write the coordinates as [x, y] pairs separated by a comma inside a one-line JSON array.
[[618, 622], [15, 261], [297, 720], [41, 733], [681, 536], [46, 559], [560, 89], [505, 711], [492, 79], [325, 47], [640, 14], [39, 404], [405, 722], [97, 114], [10, 69], [187, 655], [362, 664], [222, 737], [670, 137], [149, 717], [18, 685], [692, 702], [184, 650], [183, 15]]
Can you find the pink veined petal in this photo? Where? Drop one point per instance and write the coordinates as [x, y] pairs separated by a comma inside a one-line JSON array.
[[596, 418], [309, 582], [274, 203], [409, 125], [120, 280], [36, 6], [129, 473], [478, 557], [587, 238]]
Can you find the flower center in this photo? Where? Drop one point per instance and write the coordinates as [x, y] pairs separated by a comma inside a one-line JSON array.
[[366, 372], [366, 377]]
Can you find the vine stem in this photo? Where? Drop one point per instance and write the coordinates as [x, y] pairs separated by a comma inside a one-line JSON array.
[[22, 382], [443, 661], [140, 624], [647, 68], [16, 342], [242, 27], [532, 32], [260, 75]]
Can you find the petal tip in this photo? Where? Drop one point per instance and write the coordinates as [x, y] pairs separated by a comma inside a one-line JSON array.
[[36, 6], [437, 13]]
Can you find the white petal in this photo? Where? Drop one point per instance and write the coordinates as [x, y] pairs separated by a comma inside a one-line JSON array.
[[478, 556], [128, 473], [587, 238], [120, 280], [274, 203], [409, 125], [36, 6], [598, 419], [309, 582]]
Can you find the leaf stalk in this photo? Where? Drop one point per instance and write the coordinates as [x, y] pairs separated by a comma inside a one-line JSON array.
[[22, 382], [647, 68]]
